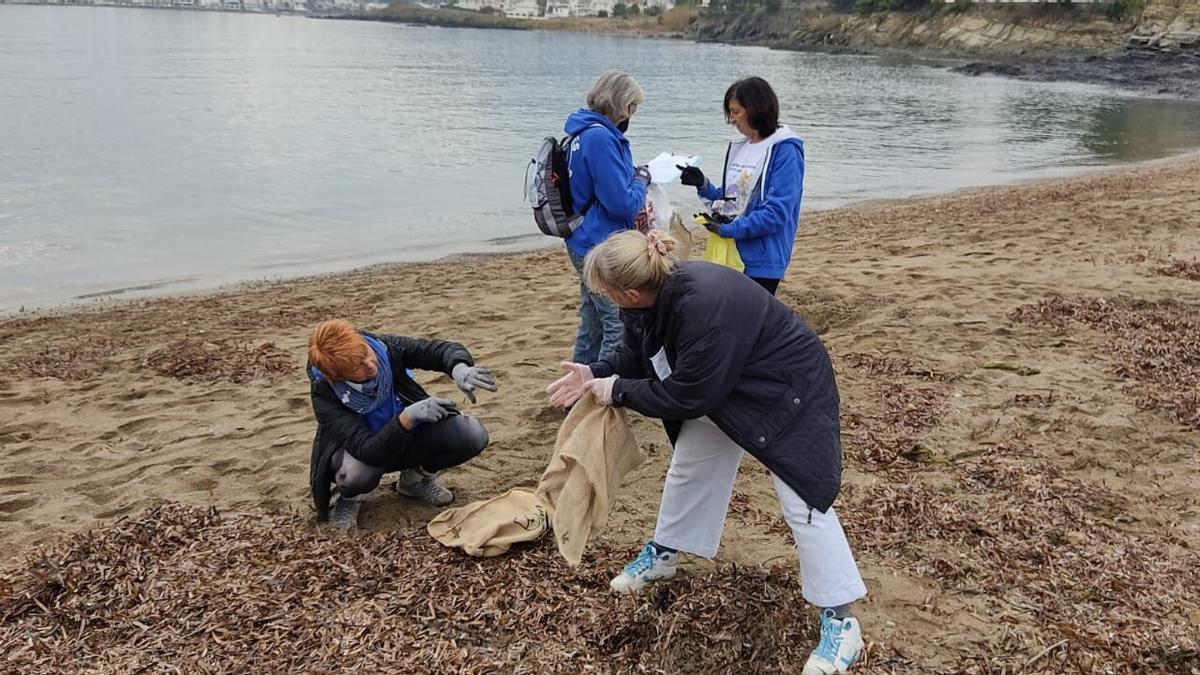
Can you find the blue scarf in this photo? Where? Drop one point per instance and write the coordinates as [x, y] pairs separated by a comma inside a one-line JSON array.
[[377, 403]]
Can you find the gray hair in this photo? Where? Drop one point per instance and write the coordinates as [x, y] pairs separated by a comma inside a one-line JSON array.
[[613, 94]]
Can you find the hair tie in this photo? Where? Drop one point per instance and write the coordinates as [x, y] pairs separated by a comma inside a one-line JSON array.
[[654, 242]]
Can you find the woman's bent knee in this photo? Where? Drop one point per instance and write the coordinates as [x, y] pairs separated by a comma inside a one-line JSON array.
[[353, 477], [478, 437]]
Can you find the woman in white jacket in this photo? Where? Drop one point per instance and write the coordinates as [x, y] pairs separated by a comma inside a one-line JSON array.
[[758, 201]]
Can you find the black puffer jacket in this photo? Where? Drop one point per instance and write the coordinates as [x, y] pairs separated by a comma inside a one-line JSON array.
[[341, 427], [744, 359]]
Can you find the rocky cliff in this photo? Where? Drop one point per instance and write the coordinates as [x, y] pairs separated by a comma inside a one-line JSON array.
[[1028, 30], [1169, 24], [994, 31]]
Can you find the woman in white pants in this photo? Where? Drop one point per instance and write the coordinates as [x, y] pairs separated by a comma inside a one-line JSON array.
[[728, 369]]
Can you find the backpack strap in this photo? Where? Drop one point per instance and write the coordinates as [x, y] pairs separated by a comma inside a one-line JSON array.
[[594, 200]]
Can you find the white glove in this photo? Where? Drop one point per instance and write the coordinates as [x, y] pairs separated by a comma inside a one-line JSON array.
[[602, 389], [566, 390]]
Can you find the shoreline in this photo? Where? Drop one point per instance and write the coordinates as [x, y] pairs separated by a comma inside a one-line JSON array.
[[103, 300]]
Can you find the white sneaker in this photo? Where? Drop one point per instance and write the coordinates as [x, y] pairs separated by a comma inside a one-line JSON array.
[[840, 646], [649, 565], [420, 484], [344, 514]]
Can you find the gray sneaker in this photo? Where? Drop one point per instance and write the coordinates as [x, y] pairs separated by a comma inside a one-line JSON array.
[[344, 514], [420, 484]]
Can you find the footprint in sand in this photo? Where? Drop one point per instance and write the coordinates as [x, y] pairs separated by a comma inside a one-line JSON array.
[[100, 496], [114, 513], [15, 505], [134, 426], [16, 436]]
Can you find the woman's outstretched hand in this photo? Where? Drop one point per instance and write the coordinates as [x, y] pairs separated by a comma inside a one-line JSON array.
[[602, 389], [566, 390]]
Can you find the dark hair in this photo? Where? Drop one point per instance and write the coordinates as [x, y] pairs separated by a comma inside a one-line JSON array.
[[757, 97]]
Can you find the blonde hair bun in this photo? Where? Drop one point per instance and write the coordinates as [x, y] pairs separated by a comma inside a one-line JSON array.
[[631, 260]]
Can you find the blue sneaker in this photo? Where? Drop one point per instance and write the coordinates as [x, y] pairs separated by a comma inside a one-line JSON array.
[[649, 565], [840, 646]]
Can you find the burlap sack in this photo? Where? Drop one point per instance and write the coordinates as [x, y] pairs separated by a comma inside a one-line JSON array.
[[683, 236], [594, 450], [489, 528]]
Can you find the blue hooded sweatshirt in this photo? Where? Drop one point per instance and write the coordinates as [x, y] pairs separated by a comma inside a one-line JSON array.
[[600, 165], [766, 230]]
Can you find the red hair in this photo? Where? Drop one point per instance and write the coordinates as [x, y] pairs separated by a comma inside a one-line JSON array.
[[336, 349]]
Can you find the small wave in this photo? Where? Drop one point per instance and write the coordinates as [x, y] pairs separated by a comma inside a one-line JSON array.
[[157, 285], [26, 252], [515, 239]]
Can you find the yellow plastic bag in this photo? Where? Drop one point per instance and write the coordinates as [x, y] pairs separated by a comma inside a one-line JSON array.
[[723, 251]]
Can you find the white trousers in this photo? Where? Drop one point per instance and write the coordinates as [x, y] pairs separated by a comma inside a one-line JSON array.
[[695, 501]]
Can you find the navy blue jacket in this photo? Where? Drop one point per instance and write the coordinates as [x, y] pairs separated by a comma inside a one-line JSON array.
[[744, 359], [766, 230], [600, 165]]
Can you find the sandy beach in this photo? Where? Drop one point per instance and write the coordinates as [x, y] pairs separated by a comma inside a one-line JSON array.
[[1018, 367]]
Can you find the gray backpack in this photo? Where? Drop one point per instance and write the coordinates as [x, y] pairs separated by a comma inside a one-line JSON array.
[[548, 189]]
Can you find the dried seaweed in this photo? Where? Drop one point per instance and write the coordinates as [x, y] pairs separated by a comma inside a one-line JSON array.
[[1156, 343], [893, 367], [201, 361], [184, 589], [882, 438], [73, 359], [1051, 556], [1180, 269], [181, 588]]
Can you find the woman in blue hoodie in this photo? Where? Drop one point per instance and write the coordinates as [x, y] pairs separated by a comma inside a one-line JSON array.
[[758, 203], [609, 191]]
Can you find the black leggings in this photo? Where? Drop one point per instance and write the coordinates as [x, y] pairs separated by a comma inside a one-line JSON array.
[[769, 284], [433, 447]]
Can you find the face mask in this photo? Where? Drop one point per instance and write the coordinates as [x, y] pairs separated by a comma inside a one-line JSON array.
[[624, 125]]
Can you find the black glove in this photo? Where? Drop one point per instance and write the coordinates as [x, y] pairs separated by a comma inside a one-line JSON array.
[[712, 221], [642, 175], [691, 176]]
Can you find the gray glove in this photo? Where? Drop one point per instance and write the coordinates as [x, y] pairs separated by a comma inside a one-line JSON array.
[[429, 410], [469, 377], [642, 175]]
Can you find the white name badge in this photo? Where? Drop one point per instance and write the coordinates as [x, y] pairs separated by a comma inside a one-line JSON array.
[[661, 367]]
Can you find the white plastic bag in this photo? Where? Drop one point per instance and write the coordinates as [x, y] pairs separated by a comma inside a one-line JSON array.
[[661, 207], [664, 167]]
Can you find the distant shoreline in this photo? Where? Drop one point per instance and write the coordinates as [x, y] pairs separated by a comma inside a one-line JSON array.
[[1171, 74], [128, 4], [1141, 71]]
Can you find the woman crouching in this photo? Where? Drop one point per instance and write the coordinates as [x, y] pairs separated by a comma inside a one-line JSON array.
[[373, 418]]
